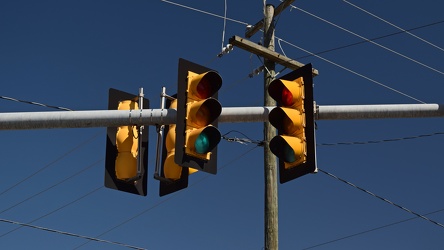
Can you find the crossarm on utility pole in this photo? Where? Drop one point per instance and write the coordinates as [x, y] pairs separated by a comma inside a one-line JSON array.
[[267, 53]]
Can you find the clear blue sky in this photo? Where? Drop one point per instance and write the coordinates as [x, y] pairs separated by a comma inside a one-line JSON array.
[[69, 53]]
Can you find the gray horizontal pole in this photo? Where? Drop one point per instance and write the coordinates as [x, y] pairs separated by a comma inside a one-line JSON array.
[[115, 118], [244, 114], [346, 112], [84, 119]]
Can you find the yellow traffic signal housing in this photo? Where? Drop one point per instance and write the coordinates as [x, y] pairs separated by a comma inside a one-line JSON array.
[[197, 135], [127, 142], [201, 137], [289, 118], [124, 146], [190, 145], [294, 118], [171, 169], [173, 177]]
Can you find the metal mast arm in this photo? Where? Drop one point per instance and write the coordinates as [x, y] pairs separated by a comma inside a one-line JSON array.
[[115, 118]]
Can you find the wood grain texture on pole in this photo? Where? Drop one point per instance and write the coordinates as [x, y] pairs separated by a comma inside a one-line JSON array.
[[267, 53], [259, 25], [270, 162]]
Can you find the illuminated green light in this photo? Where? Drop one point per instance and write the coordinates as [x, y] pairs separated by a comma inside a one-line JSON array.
[[202, 143]]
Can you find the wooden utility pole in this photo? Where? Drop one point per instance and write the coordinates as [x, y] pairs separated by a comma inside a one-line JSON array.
[[270, 166]]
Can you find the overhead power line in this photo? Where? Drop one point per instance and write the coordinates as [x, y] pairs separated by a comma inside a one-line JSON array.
[[50, 164], [260, 143], [34, 103], [69, 234], [354, 72], [393, 25], [55, 210], [371, 39], [169, 197], [52, 186], [317, 53], [306, 51], [225, 23], [368, 40], [370, 230], [204, 12], [381, 198], [381, 141], [245, 140]]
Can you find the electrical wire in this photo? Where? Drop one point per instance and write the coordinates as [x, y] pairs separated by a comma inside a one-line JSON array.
[[317, 53], [194, 10], [280, 46], [372, 39], [393, 25], [233, 84], [248, 140], [381, 141], [314, 54], [171, 196], [52, 186], [225, 23], [55, 210], [50, 164], [368, 40], [241, 140], [261, 143], [204, 12], [354, 72], [34, 103], [370, 230], [381, 198], [40, 170], [69, 234]]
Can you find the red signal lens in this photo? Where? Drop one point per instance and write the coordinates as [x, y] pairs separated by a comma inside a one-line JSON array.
[[204, 88], [287, 97]]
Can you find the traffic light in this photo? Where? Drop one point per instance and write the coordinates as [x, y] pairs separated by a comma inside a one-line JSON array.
[[197, 135], [190, 145], [127, 143], [126, 148], [172, 176], [295, 144]]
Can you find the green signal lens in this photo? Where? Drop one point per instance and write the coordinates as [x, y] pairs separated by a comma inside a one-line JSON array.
[[289, 155], [202, 143]]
